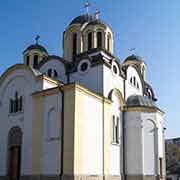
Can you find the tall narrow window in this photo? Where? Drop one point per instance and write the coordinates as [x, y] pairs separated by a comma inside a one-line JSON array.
[[55, 74], [99, 39], [50, 72], [134, 81], [35, 64], [108, 42], [74, 44], [116, 130], [20, 103], [27, 60], [89, 40], [11, 108], [16, 102]]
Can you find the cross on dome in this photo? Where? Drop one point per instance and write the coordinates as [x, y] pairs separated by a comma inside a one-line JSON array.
[[37, 39], [97, 13], [86, 6]]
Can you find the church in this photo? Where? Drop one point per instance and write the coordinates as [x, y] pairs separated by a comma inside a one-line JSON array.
[[84, 116]]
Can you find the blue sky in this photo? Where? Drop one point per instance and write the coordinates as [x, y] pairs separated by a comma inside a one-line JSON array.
[[151, 26]]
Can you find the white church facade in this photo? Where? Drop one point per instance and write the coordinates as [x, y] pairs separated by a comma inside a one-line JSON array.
[[84, 116]]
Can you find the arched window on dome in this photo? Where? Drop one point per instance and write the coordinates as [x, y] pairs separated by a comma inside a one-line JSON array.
[[99, 39], [74, 44], [55, 73], [35, 63], [49, 72], [108, 42], [27, 60], [89, 40]]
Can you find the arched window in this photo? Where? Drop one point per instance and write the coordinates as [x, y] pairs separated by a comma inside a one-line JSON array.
[[134, 81], [16, 104], [108, 42], [20, 103], [131, 80], [27, 60], [74, 44], [89, 40], [55, 74], [35, 63], [99, 39], [50, 72], [116, 129]]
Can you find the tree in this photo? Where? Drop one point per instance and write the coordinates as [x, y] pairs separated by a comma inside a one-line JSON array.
[[172, 158]]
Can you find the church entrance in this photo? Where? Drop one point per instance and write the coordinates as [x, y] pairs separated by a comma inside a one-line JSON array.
[[14, 153]]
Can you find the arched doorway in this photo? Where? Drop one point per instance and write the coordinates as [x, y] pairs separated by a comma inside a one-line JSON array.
[[14, 153]]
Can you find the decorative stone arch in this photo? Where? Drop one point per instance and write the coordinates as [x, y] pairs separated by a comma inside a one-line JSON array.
[[119, 95], [155, 143], [14, 153], [52, 130], [15, 136]]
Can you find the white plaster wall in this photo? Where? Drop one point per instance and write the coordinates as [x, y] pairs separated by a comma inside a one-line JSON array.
[[57, 65], [160, 124], [90, 118], [130, 89], [149, 147], [51, 148], [111, 81], [153, 142], [23, 81], [92, 79], [116, 150], [133, 143], [48, 85]]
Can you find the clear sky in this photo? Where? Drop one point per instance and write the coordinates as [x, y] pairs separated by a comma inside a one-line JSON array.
[[150, 26]]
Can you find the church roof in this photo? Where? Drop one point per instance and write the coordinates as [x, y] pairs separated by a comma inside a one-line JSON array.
[[86, 18], [138, 100], [36, 46], [133, 57]]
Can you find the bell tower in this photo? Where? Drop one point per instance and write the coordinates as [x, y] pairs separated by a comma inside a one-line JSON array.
[[86, 32], [34, 54]]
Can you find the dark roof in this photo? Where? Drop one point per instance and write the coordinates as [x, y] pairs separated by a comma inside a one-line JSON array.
[[87, 18], [134, 57], [138, 100], [36, 46]]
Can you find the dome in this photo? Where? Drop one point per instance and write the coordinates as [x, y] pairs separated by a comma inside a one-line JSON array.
[[138, 100], [86, 18], [133, 58], [36, 46]]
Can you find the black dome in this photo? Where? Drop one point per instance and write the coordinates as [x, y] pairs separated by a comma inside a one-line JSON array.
[[36, 46], [138, 100], [134, 57], [87, 18], [82, 19]]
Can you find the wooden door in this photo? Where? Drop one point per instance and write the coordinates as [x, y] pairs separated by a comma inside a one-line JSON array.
[[14, 162]]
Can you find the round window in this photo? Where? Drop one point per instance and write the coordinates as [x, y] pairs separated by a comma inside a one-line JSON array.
[[115, 69], [84, 66]]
